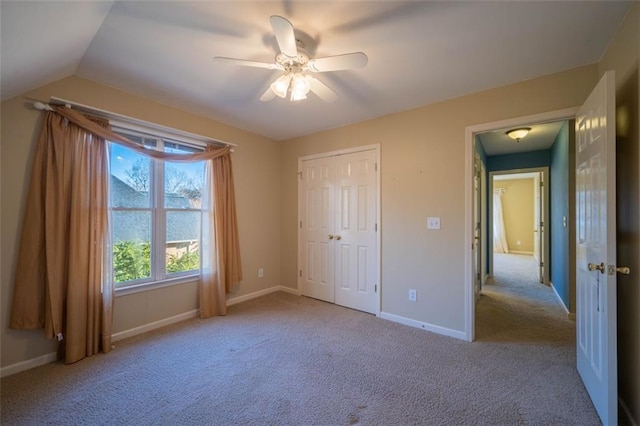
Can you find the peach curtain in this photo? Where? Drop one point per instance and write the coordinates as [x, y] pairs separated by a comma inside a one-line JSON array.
[[63, 281], [221, 265]]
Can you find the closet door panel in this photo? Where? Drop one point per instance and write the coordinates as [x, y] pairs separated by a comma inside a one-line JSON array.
[[355, 226], [317, 227]]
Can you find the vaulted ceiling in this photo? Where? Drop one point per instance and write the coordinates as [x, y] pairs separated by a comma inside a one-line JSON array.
[[419, 52]]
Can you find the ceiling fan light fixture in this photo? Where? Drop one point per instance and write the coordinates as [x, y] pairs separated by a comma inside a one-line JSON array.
[[296, 63], [281, 86], [517, 134], [299, 87]]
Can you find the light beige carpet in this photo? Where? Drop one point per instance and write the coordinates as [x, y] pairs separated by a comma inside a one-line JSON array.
[[289, 360]]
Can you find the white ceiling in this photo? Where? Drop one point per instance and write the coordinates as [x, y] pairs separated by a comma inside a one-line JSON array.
[[419, 52]]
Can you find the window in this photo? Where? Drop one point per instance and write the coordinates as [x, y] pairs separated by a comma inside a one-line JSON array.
[[155, 212]]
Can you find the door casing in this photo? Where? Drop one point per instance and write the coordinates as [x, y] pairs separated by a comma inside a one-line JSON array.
[[470, 137], [545, 216]]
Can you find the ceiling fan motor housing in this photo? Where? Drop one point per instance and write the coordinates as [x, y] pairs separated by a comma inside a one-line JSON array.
[[293, 64]]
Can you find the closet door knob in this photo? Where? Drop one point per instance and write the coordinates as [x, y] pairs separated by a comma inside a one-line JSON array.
[[338, 237], [330, 237], [594, 267]]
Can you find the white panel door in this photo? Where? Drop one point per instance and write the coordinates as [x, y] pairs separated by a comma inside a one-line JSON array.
[[477, 217], [316, 229], [596, 248], [355, 234], [538, 235], [338, 254]]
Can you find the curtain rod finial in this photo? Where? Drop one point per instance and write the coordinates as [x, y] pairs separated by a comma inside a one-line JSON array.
[[42, 107]]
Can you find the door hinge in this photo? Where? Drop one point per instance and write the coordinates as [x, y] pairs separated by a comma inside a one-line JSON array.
[[300, 273], [542, 264], [478, 276], [376, 226], [375, 167], [375, 288], [300, 175], [300, 224]]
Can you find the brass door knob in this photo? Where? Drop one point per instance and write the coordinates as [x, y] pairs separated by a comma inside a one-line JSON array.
[[594, 267], [623, 270], [338, 237], [330, 237]]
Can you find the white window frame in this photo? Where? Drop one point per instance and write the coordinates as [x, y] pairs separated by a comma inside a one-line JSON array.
[[158, 276]]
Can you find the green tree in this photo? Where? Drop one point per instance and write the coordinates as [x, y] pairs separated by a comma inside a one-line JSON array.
[[186, 262], [131, 260]]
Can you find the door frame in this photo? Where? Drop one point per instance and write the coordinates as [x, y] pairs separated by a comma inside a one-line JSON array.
[[470, 136], [378, 268], [545, 216]]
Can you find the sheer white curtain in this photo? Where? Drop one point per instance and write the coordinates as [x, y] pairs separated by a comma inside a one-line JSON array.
[[499, 233]]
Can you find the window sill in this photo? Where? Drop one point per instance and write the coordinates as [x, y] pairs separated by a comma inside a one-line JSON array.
[[139, 288]]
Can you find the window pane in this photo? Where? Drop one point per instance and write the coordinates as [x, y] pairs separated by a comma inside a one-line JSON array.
[[131, 231], [183, 235], [179, 148], [183, 183], [130, 178]]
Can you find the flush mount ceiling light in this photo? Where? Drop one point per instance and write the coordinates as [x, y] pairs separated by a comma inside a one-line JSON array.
[[298, 66], [517, 134]]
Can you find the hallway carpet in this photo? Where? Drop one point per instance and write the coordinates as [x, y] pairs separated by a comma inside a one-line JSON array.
[[289, 360]]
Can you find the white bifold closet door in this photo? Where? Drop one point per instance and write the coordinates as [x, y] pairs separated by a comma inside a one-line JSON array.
[[337, 231]]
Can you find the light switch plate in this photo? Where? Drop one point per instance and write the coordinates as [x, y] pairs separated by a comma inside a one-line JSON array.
[[433, 223]]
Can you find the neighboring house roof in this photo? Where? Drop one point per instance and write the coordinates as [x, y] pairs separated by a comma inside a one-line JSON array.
[[136, 225]]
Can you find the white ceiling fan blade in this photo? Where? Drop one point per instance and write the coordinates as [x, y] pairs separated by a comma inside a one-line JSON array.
[[244, 62], [339, 62], [320, 89], [283, 30], [268, 95]]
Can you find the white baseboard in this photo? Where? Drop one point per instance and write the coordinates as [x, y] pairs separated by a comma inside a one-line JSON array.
[[193, 314], [154, 325], [48, 358], [28, 364], [260, 293], [528, 253], [570, 314], [423, 325]]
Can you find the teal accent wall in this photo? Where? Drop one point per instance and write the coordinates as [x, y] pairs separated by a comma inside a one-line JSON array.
[[525, 160], [559, 199]]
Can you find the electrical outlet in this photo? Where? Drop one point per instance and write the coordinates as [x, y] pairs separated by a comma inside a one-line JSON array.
[[260, 273], [413, 295], [433, 223]]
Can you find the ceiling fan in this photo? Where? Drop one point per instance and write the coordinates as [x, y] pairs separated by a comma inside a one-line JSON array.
[[298, 66]]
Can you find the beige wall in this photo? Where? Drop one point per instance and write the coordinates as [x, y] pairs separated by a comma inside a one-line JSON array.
[[422, 174], [256, 165], [422, 169], [623, 56], [517, 207]]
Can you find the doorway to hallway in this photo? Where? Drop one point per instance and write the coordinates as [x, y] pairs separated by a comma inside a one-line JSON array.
[[519, 220]]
